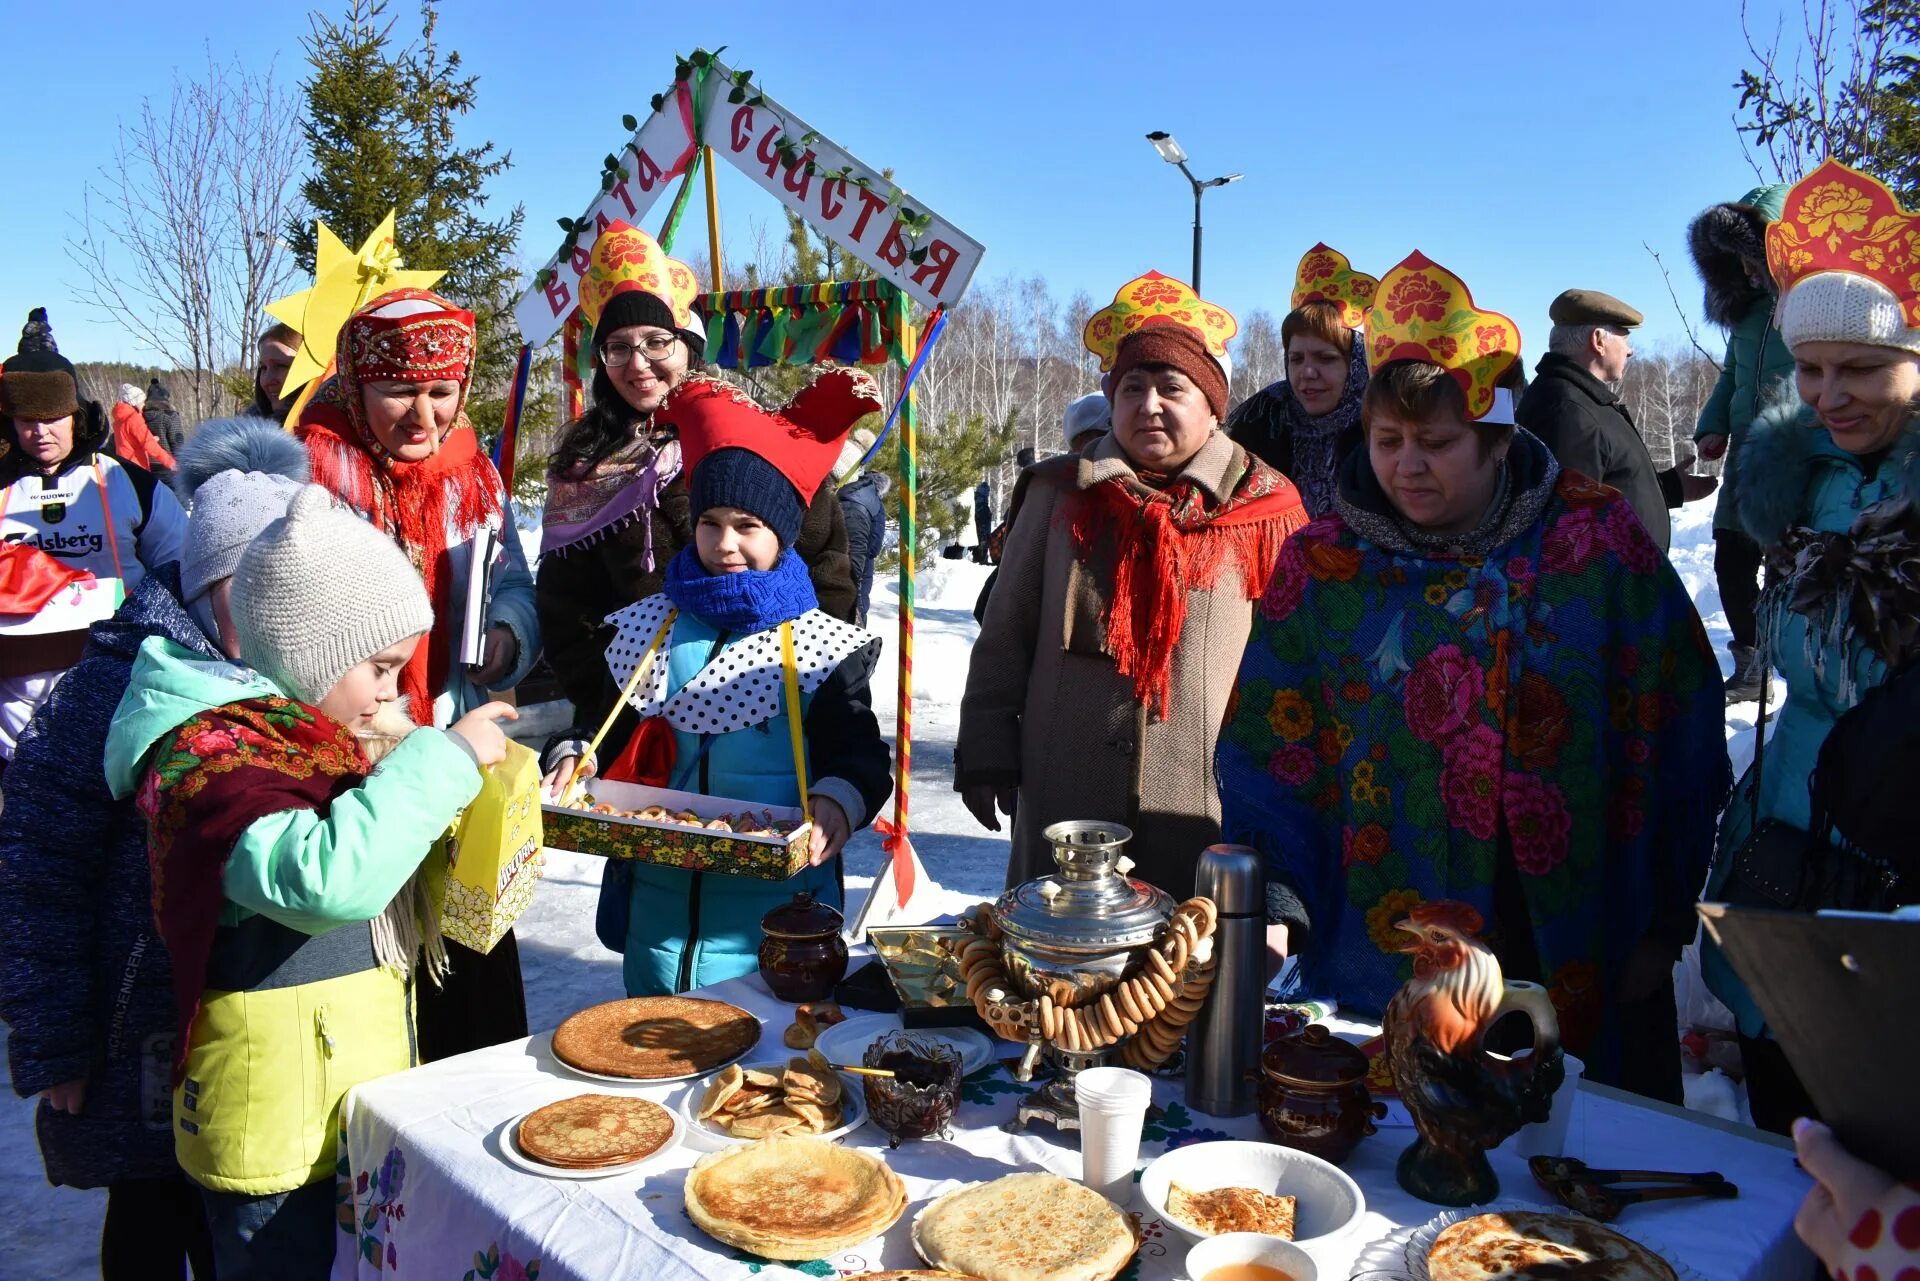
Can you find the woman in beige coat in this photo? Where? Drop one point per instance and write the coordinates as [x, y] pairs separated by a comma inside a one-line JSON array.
[[1124, 600]]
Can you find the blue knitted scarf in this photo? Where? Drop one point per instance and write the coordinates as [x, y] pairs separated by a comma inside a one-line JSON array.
[[751, 600]]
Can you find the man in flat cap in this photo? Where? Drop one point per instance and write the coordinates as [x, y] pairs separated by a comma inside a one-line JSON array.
[[1573, 409]]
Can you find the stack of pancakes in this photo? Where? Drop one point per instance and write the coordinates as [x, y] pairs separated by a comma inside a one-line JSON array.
[[652, 1038], [1026, 1227], [758, 1102], [1531, 1246], [793, 1197], [594, 1132]]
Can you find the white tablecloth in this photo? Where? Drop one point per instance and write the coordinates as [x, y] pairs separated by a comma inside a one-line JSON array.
[[431, 1196]]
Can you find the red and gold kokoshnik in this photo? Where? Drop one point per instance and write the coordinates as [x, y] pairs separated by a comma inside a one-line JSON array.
[[1839, 219], [1422, 311], [1325, 275]]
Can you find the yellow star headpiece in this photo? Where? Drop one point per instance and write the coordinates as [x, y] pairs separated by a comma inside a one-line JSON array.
[[344, 281]]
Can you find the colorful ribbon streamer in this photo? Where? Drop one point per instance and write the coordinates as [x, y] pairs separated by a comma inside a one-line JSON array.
[[507, 447]]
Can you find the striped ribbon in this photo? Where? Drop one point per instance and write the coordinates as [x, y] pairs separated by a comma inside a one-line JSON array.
[[507, 447]]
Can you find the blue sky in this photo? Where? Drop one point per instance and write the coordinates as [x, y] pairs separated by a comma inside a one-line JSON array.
[[1531, 152]]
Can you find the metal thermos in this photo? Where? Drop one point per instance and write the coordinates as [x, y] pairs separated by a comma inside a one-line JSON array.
[[1223, 1046]]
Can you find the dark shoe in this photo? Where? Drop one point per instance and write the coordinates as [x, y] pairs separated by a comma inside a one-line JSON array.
[[1749, 680]]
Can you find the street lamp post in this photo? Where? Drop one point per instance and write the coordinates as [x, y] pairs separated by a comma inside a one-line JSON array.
[[1171, 152]]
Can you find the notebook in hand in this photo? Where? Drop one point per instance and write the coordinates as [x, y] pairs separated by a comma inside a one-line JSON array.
[[1837, 990]]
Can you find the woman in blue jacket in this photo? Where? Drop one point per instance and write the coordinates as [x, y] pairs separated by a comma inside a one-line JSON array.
[[1826, 489], [734, 602]]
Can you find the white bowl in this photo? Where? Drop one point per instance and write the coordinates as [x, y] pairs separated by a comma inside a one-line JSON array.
[[1250, 1247], [1328, 1203]]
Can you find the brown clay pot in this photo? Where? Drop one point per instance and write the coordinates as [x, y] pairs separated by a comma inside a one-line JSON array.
[[802, 956], [1313, 1094]]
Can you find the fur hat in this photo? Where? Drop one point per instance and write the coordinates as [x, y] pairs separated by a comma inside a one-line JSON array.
[[321, 591], [38, 382], [237, 476], [236, 444], [1091, 412], [1722, 240]]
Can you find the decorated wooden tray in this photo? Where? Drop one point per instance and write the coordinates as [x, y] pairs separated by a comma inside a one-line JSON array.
[[680, 829]]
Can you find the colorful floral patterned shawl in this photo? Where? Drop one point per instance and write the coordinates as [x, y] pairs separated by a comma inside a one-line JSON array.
[[1401, 718], [207, 783]]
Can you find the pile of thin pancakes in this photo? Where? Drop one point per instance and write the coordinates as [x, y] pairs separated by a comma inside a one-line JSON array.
[[793, 1197], [758, 1102], [652, 1038], [594, 1132], [1026, 1227]]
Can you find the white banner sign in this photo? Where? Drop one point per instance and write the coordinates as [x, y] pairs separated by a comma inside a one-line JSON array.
[[928, 258]]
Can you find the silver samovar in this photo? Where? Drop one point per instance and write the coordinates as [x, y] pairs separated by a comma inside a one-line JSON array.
[[1075, 937]]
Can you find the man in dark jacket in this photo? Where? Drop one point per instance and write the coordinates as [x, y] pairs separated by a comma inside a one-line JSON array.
[[163, 419], [862, 502], [85, 982], [1570, 406]]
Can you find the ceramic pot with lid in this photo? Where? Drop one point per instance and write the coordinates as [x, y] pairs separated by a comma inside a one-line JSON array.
[[1314, 1096], [802, 956]]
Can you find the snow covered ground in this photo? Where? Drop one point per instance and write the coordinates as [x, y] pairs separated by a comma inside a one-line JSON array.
[[54, 1232]]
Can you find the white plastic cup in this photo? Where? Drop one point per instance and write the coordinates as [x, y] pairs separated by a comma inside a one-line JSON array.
[[1113, 1111], [1549, 1137]]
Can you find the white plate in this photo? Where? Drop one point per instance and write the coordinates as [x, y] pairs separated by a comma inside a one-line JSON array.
[[1420, 1243], [1328, 1202], [545, 1041], [846, 1042], [510, 1150], [710, 1137]]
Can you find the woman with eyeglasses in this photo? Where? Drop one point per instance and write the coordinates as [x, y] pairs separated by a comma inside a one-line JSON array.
[[617, 507]]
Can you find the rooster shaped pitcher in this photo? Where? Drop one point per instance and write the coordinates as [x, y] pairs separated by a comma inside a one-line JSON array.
[[1464, 1099]]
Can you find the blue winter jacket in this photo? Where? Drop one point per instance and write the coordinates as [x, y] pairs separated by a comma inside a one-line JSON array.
[[1794, 475], [691, 929], [85, 985]]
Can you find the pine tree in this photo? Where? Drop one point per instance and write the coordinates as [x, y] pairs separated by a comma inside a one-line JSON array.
[[380, 132]]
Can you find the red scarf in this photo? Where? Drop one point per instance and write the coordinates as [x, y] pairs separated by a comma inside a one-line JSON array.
[[430, 506], [210, 780], [1156, 545]]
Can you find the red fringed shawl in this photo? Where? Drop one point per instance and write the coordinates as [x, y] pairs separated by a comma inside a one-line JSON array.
[[1158, 545], [205, 785]]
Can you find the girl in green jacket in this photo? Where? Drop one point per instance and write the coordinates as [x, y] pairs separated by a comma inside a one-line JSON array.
[[278, 852]]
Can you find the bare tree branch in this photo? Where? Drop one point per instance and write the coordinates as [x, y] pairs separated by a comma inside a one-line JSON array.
[[1685, 323], [177, 237]]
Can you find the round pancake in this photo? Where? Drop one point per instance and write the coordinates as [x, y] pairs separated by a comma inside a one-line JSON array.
[[651, 1037], [1529, 1246], [1026, 1227], [793, 1197], [593, 1130]]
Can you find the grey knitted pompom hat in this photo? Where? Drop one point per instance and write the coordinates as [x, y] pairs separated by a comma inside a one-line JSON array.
[[320, 592]]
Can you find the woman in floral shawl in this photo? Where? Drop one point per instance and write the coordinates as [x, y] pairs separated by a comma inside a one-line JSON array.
[[1479, 680]]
